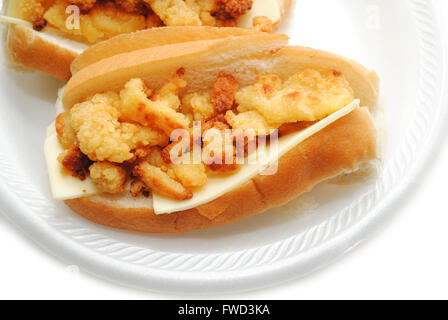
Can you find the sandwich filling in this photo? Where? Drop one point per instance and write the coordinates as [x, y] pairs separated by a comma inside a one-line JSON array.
[[95, 20], [144, 140]]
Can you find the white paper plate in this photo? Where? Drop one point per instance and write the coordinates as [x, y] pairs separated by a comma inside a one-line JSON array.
[[400, 39]]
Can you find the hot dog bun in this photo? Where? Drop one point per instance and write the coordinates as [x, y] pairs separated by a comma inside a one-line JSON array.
[[341, 147], [47, 52], [52, 52]]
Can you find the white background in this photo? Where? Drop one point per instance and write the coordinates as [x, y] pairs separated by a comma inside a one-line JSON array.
[[406, 258]]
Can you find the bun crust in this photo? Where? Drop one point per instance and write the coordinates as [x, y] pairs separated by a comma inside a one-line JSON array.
[[338, 148], [151, 38], [28, 48]]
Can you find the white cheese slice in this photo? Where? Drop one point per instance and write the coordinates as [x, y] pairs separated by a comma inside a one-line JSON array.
[[267, 8], [53, 35], [59, 106], [13, 9], [63, 187], [218, 186], [12, 20]]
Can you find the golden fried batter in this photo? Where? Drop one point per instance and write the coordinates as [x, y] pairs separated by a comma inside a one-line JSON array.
[[33, 11], [75, 163], [103, 21], [84, 5], [231, 9], [204, 9], [108, 177], [102, 137], [175, 12], [134, 6], [138, 188], [161, 182], [249, 120], [309, 95], [198, 106], [223, 95], [160, 114], [65, 131], [153, 21], [263, 24], [218, 151], [191, 175], [155, 159]]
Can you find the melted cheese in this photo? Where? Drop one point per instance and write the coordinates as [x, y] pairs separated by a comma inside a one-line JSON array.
[[267, 8], [63, 186], [218, 186]]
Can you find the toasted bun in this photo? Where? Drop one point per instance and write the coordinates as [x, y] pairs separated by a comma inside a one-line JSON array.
[[339, 148], [53, 53], [151, 38], [46, 52]]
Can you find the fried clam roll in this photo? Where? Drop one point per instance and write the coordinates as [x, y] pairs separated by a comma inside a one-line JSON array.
[[47, 35], [320, 104]]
